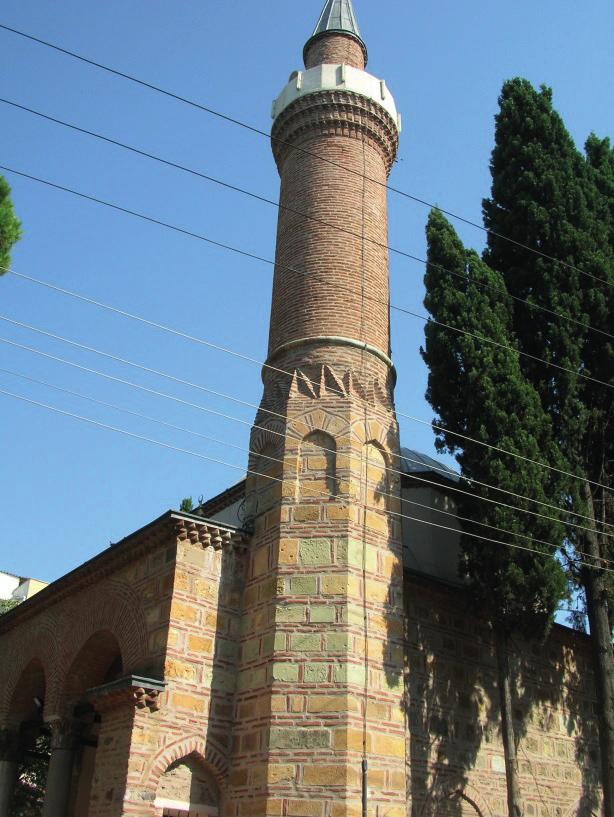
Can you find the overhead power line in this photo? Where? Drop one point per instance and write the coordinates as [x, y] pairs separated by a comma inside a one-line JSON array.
[[186, 336], [217, 461], [234, 121], [425, 318], [207, 390], [158, 421], [403, 310], [263, 199]]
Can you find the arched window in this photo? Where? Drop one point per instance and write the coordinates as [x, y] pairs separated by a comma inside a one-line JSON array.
[[318, 468], [374, 477], [186, 789]]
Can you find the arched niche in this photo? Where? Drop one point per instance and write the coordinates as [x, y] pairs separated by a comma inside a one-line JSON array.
[[29, 694], [318, 466], [32, 738], [187, 789], [374, 477], [98, 662]]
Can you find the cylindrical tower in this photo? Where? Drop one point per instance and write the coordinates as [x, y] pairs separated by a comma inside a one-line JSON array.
[[319, 723], [334, 137]]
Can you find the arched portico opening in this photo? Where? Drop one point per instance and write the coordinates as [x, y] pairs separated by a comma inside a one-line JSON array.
[[187, 789], [26, 742], [74, 738]]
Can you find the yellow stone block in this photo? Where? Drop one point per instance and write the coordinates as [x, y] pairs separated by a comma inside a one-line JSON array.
[[278, 703], [183, 612], [181, 580], [238, 777], [260, 561], [182, 701], [296, 703], [327, 703], [390, 565], [199, 643], [205, 589], [377, 711], [288, 489], [315, 463], [307, 513], [346, 809], [350, 739], [305, 808], [315, 488], [389, 745], [377, 521], [333, 775], [281, 773], [377, 591], [334, 585], [338, 513]]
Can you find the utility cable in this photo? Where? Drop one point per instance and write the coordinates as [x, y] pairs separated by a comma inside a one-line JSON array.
[[168, 446], [263, 199], [424, 318], [234, 121], [272, 431], [268, 261], [158, 421]]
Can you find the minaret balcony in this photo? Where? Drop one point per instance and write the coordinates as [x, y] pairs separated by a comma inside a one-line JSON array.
[[336, 78]]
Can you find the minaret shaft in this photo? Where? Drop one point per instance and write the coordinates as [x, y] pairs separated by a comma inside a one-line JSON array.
[[320, 687]]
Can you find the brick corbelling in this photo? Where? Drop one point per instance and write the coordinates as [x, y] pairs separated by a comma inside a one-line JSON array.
[[334, 113]]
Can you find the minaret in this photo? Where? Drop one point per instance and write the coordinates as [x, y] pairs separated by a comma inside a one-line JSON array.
[[319, 720]]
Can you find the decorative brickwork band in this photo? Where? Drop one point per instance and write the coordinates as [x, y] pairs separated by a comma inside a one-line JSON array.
[[335, 113]]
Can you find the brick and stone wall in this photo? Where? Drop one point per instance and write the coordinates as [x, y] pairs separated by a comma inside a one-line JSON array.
[[454, 744], [335, 49], [162, 606]]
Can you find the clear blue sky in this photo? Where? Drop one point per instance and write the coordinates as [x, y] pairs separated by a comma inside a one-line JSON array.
[[66, 489]]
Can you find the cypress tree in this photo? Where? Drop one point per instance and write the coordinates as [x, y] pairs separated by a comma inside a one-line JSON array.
[[10, 228], [547, 195], [478, 390]]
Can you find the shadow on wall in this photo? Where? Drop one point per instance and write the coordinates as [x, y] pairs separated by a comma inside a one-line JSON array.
[[448, 666], [552, 677]]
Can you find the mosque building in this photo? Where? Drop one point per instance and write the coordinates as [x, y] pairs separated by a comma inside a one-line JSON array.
[[300, 645]]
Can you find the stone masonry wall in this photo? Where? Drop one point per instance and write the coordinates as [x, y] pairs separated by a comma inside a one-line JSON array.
[[455, 755]]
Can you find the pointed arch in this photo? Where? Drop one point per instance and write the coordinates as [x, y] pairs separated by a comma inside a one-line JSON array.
[[318, 465], [208, 750]]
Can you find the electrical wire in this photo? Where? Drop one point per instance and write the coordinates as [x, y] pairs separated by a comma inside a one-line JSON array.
[[257, 197], [234, 121], [141, 416], [259, 258], [272, 431], [217, 461]]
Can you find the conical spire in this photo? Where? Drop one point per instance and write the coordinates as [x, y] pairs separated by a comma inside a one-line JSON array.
[[338, 17]]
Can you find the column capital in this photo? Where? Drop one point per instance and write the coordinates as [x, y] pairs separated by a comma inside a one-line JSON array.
[[65, 732]]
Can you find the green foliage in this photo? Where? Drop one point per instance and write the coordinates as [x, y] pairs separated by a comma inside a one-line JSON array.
[[10, 227], [7, 604], [30, 789], [546, 195], [187, 505], [478, 390]]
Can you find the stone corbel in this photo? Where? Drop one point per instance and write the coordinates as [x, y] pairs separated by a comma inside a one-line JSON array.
[[207, 534], [132, 690]]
